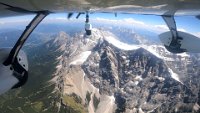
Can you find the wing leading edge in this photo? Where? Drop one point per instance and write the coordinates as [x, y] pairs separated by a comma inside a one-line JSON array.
[[156, 7]]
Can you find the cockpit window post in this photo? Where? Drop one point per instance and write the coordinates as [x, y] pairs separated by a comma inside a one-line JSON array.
[[32, 25]]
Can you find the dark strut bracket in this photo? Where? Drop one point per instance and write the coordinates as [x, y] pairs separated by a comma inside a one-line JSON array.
[[32, 25], [87, 17]]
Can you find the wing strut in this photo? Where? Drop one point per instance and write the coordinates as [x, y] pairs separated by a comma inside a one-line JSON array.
[[169, 20], [175, 44], [32, 25]]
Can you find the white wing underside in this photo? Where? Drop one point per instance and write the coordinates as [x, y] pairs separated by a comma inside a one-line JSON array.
[[148, 7]]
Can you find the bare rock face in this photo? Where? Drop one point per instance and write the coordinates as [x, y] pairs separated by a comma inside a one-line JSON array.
[[139, 80], [132, 81]]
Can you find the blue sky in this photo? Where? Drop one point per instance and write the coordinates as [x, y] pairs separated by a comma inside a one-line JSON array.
[[186, 23], [189, 23]]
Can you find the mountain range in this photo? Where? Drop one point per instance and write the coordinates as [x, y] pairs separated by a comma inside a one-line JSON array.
[[102, 73]]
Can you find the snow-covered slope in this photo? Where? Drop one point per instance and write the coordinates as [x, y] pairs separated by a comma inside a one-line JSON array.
[[112, 39], [102, 71], [157, 50], [82, 57]]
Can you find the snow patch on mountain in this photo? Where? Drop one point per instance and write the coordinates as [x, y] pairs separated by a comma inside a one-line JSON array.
[[174, 75], [160, 78], [81, 58], [138, 78], [152, 49], [183, 54], [120, 45], [140, 110], [124, 46]]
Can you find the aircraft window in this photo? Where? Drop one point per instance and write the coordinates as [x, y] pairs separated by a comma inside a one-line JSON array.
[[77, 62]]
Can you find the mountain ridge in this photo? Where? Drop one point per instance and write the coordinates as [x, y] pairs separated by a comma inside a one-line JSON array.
[[112, 78], [101, 74]]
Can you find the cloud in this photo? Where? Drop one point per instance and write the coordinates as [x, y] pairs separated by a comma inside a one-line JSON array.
[[197, 34], [131, 20], [2, 23], [126, 21], [105, 20], [159, 28], [61, 20], [162, 27], [181, 29]]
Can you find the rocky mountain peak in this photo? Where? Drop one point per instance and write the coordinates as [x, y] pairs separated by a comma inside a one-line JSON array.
[[61, 38], [134, 80], [102, 73]]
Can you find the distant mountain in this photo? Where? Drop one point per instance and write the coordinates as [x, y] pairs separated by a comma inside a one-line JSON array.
[[69, 27], [8, 38], [104, 74], [131, 34]]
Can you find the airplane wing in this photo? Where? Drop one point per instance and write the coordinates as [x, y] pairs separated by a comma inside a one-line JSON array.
[[152, 7]]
